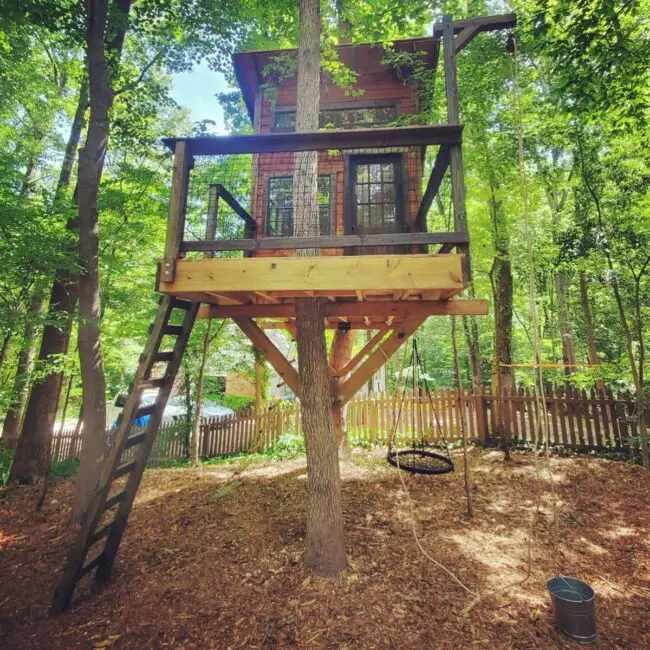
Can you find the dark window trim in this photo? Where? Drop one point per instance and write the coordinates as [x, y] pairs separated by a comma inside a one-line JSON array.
[[336, 106], [401, 187], [332, 202]]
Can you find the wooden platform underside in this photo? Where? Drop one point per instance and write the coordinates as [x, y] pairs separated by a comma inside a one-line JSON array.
[[365, 291]]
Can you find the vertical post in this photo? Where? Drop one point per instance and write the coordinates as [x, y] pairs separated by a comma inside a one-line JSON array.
[[481, 415], [456, 155], [177, 206], [213, 213]]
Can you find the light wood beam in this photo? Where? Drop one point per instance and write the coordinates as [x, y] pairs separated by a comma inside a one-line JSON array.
[[379, 357], [368, 347], [376, 309], [279, 362], [326, 273]]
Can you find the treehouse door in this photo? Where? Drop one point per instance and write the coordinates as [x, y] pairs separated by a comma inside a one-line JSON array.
[[375, 199]]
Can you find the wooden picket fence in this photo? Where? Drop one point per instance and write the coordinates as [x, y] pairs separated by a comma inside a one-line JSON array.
[[575, 419]]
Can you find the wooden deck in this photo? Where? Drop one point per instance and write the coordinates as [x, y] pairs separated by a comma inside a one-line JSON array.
[[366, 291]]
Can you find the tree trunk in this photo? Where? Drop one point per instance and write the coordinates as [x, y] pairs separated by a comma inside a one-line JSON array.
[[325, 541], [31, 462], [261, 381], [501, 280], [564, 318], [470, 329], [340, 354], [91, 164], [195, 452], [14, 414], [592, 346]]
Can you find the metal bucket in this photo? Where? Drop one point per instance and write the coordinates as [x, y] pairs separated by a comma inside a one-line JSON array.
[[574, 604]]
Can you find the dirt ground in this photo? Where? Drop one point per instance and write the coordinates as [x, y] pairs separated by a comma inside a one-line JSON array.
[[198, 572]]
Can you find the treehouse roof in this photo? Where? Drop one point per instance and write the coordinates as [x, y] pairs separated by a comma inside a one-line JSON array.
[[364, 58]]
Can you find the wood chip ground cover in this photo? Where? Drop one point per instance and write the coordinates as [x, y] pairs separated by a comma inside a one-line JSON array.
[[204, 567]]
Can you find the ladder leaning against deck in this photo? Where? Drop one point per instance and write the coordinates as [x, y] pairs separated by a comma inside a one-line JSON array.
[[109, 506]]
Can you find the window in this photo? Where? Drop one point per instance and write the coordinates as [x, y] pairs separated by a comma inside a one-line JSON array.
[[376, 194], [358, 117], [279, 212]]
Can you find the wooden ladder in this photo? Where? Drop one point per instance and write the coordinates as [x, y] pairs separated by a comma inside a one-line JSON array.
[[109, 506]]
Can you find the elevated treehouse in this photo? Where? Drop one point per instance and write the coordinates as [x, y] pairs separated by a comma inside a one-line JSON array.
[[232, 237]]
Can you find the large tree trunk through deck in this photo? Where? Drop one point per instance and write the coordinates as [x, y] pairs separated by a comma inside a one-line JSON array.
[[325, 542], [32, 459], [103, 64], [340, 354]]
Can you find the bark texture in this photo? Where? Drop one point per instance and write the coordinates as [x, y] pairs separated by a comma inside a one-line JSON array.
[[32, 458], [340, 354], [590, 330], [325, 542], [501, 280], [261, 381], [11, 426], [103, 62]]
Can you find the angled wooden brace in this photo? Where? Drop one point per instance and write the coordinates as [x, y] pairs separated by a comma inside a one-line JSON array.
[[279, 362], [380, 356]]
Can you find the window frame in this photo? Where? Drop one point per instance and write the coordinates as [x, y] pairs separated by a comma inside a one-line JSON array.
[[350, 189], [378, 103], [331, 203]]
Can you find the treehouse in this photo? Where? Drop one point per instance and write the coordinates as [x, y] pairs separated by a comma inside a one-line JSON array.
[[237, 220]]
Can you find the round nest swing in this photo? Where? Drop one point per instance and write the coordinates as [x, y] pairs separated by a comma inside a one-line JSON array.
[[420, 461]]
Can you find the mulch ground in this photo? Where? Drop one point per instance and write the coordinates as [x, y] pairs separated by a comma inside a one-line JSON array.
[[198, 572]]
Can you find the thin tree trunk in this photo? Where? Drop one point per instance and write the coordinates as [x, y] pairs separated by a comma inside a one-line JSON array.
[[5, 347], [470, 329], [463, 429], [14, 414], [91, 164], [66, 402], [196, 424], [501, 280], [325, 541], [32, 459], [592, 346], [261, 381], [564, 321], [340, 354]]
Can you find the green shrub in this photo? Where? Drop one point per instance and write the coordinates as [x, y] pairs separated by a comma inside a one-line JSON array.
[[289, 445], [238, 403]]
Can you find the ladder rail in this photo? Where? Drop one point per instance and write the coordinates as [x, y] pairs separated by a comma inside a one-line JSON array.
[[85, 539], [143, 452]]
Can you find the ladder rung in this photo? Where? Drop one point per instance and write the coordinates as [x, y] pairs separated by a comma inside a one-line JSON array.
[[179, 303], [124, 468], [91, 565], [115, 499], [101, 533], [145, 410], [173, 330], [151, 383], [131, 441], [162, 356]]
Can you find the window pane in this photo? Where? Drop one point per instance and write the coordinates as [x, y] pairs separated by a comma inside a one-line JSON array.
[[279, 219], [354, 117], [376, 209]]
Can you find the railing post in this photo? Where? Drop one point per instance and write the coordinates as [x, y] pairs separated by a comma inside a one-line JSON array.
[[456, 155], [177, 206]]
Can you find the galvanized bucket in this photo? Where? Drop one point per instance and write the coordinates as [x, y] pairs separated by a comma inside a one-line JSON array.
[[574, 604]]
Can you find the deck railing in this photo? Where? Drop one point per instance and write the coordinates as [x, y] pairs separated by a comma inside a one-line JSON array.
[[235, 195]]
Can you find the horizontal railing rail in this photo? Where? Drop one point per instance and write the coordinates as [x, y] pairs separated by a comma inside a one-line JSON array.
[[400, 136], [448, 240]]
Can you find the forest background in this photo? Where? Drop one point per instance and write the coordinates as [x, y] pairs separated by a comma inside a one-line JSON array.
[[578, 86]]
